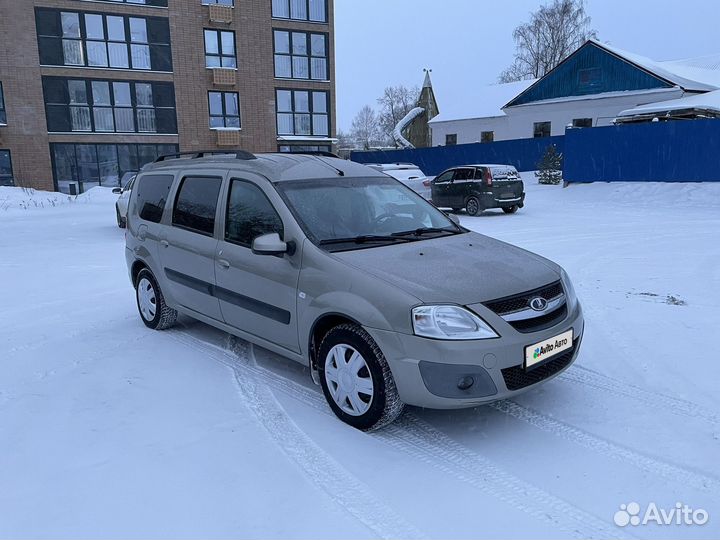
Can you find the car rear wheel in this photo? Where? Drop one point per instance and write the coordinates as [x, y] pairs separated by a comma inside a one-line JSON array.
[[472, 206], [510, 209], [121, 221], [154, 312], [356, 379]]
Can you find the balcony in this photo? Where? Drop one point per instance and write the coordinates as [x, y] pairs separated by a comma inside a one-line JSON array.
[[224, 76], [221, 14], [228, 137]]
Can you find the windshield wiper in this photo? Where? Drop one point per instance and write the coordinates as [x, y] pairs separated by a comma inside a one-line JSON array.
[[425, 230], [365, 238]]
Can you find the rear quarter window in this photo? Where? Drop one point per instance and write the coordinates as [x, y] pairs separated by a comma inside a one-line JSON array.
[[152, 194]]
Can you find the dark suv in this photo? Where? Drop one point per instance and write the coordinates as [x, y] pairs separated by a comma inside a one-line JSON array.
[[479, 187]]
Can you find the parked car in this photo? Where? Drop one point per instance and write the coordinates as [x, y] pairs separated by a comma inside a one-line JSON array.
[[121, 204], [408, 174], [479, 187], [384, 297]]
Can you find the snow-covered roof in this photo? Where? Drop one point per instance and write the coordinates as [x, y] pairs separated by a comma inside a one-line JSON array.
[[700, 74], [462, 102], [708, 101]]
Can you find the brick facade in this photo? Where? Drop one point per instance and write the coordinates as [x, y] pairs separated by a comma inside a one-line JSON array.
[[26, 134]]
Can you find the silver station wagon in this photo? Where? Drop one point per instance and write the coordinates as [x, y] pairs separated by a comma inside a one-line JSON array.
[[385, 298]]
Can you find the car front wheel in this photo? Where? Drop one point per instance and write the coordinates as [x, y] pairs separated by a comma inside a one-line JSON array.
[[356, 379], [472, 207], [122, 223], [154, 312]]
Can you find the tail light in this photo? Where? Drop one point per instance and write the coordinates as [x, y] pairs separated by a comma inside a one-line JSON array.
[[426, 183], [488, 177]]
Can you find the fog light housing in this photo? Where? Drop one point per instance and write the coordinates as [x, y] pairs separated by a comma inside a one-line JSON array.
[[465, 382]]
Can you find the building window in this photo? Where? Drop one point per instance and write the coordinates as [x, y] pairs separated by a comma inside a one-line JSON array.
[[590, 78], [450, 139], [302, 112], [487, 136], [69, 38], [304, 148], [109, 106], [300, 10], [541, 129], [301, 55], [3, 113], [582, 122], [219, 2], [155, 3], [88, 165], [224, 109], [220, 49], [6, 172]]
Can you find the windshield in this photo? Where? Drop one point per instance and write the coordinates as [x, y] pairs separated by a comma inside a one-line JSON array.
[[363, 210]]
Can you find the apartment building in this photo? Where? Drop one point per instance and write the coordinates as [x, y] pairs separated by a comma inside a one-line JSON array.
[[91, 90]]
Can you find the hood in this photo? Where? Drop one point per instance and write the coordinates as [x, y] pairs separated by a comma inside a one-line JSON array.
[[461, 269]]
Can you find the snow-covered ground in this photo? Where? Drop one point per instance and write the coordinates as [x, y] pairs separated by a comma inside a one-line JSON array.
[[108, 429]]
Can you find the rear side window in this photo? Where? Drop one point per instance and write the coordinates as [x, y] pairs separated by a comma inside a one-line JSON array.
[[196, 204], [250, 214], [152, 194], [463, 174], [479, 174]]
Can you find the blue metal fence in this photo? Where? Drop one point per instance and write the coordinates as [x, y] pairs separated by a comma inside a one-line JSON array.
[[524, 154], [677, 151]]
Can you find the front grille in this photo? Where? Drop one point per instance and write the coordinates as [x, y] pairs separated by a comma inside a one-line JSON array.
[[543, 322], [517, 377], [503, 306]]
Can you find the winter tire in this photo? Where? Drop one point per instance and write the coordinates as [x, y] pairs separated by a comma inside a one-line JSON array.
[[154, 312], [456, 210], [510, 209], [122, 223], [356, 379], [472, 206]]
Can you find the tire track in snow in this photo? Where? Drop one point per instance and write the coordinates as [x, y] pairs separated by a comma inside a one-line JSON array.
[[322, 469], [678, 406], [607, 448], [415, 437]]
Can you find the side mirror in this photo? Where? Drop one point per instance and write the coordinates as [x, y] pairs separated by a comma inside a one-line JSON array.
[[117, 190], [269, 244], [454, 219]]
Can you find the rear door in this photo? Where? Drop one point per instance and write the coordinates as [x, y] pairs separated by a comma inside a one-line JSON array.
[[461, 186], [507, 184], [440, 187], [188, 244], [258, 293]]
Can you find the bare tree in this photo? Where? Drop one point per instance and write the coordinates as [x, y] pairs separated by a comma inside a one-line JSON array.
[[554, 31], [395, 103], [365, 128]]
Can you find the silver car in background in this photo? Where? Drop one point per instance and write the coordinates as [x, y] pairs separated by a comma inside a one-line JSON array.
[[386, 299], [121, 205], [408, 174]]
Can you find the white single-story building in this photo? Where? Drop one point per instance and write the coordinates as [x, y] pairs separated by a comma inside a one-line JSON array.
[[589, 88]]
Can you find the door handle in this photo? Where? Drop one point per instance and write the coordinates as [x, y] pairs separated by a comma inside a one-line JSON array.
[[164, 243], [225, 264]]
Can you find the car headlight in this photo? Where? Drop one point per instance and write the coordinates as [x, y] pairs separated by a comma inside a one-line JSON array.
[[449, 322], [570, 296]]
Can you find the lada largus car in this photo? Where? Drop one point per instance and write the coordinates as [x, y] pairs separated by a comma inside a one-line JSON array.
[[337, 266]]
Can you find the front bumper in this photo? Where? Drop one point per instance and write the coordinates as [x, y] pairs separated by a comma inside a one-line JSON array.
[[427, 371]]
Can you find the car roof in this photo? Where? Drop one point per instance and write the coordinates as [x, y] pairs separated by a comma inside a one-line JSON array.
[[482, 165], [276, 167]]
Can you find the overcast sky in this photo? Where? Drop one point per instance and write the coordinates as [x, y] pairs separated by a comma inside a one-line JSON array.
[[385, 42]]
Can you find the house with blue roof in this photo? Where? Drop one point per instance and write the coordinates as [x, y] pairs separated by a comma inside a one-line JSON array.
[[597, 85]]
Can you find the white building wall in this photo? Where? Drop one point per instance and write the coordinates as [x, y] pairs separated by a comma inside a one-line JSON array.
[[518, 122]]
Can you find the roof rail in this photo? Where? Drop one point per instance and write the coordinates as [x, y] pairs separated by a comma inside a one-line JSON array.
[[196, 154], [316, 153]]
